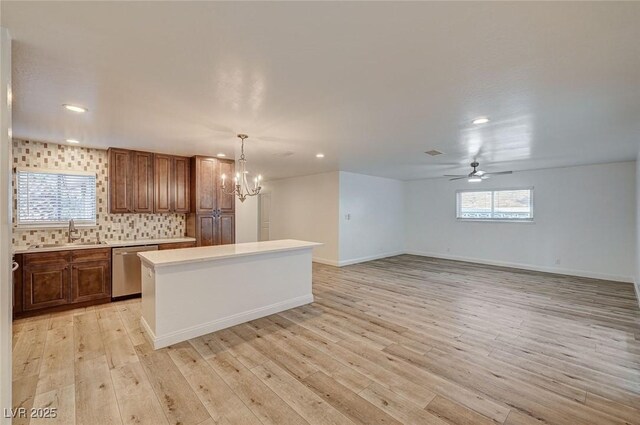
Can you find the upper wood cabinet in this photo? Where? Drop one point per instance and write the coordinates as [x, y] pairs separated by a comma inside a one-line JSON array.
[[181, 184], [226, 202], [203, 185], [142, 182], [162, 182], [120, 181]]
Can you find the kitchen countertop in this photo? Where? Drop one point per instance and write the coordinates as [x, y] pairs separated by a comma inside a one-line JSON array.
[[136, 242], [104, 244], [219, 252]]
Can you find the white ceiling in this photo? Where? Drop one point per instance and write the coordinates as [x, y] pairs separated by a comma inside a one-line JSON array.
[[371, 85]]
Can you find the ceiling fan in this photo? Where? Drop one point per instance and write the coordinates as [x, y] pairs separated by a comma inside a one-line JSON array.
[[476, 175]]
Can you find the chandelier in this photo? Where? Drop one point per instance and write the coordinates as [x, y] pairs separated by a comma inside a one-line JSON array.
[[241, 187]]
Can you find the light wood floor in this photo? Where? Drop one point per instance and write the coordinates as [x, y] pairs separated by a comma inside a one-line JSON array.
[[401, 340]]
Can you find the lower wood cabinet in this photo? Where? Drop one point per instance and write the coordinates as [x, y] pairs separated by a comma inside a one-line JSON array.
[[176, 245], [226, 229], [216, 229], [45, 285], [52, 281], [90, 281]]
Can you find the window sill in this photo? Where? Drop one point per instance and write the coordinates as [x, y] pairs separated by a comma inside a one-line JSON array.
[[492, 220]]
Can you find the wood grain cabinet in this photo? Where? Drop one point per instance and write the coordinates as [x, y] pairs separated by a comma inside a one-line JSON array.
[[162, 183], [17, 284], [226, 203], [212, 218], [203, 185], [226, 228], [142, 182], [181, 184], [90, 275], [45, 281], [52, 281], [120, 181]]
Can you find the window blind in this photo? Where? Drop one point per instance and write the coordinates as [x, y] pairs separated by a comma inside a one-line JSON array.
[[53, 198], [511, 204]]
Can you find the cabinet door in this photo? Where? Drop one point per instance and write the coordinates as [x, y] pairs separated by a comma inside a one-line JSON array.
[[142, 182], [17, 285], [226, 203], [45, 285], [204, 195], [162, 183], [226, 229], [120, 181], [181, 181], [90, 281], [206, 230]]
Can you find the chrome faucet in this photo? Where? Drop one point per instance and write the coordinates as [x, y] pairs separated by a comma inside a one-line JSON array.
[[73, 232]]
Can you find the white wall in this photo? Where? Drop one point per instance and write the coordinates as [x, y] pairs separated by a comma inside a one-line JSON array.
[[637, 277], [306, 208], [584, 218], [247, 220], [6, 293], [371, 218]]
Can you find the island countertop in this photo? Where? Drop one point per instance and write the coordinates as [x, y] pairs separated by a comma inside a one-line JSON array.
[[208, 253]]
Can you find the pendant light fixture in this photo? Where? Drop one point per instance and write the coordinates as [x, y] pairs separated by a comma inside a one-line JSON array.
[[241, 187]]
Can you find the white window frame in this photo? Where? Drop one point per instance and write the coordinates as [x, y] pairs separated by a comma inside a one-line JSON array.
[[53, 224], [496, 220]]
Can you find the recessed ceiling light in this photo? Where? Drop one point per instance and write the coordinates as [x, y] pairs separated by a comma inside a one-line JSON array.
[[75, 108], [221, 155], [319, 155], [74, 141], [480, 120]]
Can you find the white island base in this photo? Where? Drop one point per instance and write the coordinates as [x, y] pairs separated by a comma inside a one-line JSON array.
[[191, 292]]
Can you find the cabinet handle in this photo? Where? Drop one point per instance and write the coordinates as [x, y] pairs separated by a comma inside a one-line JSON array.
[[15, 266]]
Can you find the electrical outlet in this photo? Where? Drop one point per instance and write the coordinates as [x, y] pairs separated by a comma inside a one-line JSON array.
[[557, 261], [347, 216]]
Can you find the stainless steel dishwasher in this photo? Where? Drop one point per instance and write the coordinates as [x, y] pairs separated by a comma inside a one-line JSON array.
[[126, 270]]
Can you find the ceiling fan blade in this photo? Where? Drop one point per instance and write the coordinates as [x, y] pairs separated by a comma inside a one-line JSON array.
[[455, 175], [500, 172], [459, 178]]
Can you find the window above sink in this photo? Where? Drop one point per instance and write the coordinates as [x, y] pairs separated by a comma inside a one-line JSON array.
[[50, 198]]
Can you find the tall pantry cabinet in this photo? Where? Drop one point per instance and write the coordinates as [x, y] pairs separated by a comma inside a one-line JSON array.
[[212, 217]]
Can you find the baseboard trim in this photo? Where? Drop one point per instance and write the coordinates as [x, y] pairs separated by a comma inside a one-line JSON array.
[[369, 258], [223, 323], [356, 260], [148, 333], [325, 261], [555, 270]]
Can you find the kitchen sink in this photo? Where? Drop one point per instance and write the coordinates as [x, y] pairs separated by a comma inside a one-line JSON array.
[[64, 244]]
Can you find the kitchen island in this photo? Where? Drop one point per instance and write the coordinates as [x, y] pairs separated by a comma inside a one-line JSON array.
[[191, 292]]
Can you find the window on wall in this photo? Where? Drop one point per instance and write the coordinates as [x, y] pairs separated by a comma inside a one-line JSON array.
[[52, 198], [495, 205]]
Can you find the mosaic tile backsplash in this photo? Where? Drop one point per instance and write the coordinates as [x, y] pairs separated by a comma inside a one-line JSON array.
[[109, 226]]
